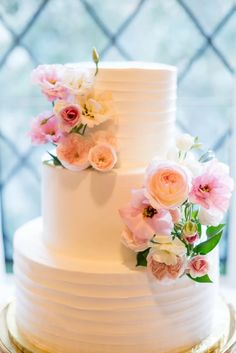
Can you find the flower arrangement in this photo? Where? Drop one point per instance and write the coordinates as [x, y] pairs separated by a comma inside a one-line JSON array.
[[72, 123], [164, 218]]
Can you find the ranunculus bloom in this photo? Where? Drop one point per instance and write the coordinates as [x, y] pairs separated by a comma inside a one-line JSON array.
[[143, 220], [210, 218], [167, 184], [198, 266], [45, 129], [73, 152], [102, 157], [212, 189], [50, 79], [163, 272], [104, 136], [132, 242], [68, 114]]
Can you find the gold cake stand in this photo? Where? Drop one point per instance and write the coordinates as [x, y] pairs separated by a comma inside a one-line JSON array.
[[222, 340]]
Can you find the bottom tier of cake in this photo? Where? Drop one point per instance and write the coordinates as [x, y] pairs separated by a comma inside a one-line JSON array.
[[64, 305]]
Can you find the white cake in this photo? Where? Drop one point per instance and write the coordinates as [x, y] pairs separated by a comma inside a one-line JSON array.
[[77, 287]]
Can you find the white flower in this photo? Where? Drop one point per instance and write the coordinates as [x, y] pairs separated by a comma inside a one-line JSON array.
[[210, 218], [190, 162], [78, 80], [96, 108], [168, 253], [184, 142]]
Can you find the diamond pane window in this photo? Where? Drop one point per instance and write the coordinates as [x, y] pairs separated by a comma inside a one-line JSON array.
[[199, 39]]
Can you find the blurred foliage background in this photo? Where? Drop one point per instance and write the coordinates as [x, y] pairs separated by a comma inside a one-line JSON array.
[[198, 36]]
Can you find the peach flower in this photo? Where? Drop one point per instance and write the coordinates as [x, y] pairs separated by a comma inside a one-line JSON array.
[[198, 266], [167, 184], [102, 157], [73, 152]]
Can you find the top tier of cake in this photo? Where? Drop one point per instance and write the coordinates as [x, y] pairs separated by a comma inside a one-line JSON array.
[[144, 98]]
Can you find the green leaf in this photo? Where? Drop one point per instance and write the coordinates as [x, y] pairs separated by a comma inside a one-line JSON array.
[[208, 245], [56, 161], [199, 229], [203, 279], [142, 258], [212, 230], [195, 214]]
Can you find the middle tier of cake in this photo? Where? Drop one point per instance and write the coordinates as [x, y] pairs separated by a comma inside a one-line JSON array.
[[80, 211]]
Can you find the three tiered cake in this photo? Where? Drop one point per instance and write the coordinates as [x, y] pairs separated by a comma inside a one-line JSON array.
[[78, 288]]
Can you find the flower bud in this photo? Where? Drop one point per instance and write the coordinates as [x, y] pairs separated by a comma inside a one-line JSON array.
[[190, 228], [95, 56]]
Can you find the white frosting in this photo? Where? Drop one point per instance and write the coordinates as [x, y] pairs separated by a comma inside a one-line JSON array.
[[77, 287], [144, 98], [69, 305], [80, 211]]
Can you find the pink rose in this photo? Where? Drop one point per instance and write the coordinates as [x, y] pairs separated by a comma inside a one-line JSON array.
[[198, 266], [167, 184], [45, 129], [143, 220], [212, 189], [133, 243], [102, 157], [50, 79], [165, 273], [69, 117], [73, 152]]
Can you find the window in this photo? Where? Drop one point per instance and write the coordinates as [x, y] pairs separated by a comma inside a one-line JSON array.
[[198, 37]]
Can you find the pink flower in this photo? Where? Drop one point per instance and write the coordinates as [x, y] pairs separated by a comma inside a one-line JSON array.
[[73, 152], [163, 272], [212, 189], [135, 244], [102, 157], [50, 79], [45, 129], [175, 214], [198, 266], [69, 116], [143, 220], [167, 184], [191, 238]]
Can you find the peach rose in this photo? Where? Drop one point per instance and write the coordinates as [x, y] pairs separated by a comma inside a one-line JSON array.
[[198, 266], [102, 157], [73, 152], [167, 184]]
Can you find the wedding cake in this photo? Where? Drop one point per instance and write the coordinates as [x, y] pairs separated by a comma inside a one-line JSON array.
[[88, 275]]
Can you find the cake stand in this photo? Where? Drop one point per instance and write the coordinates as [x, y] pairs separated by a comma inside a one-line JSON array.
[[222, 340]]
